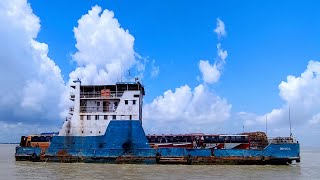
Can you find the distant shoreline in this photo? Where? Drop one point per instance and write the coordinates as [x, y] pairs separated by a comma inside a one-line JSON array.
[[8, 143]]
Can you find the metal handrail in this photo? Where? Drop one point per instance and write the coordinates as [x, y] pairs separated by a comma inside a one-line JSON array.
[[90, 109], [282, 140], [98, 94]]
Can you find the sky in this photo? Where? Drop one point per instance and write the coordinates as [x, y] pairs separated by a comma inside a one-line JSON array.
[[209, 66]]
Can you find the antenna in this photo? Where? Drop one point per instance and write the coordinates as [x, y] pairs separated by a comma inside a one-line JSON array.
[[129, 75], [120, 72], [290, 121], [243, 128]]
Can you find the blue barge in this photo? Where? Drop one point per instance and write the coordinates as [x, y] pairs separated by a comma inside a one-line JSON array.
[[105, 126]]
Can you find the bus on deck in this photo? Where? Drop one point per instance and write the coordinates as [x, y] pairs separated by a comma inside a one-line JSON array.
[[199, 140], [37, 140]]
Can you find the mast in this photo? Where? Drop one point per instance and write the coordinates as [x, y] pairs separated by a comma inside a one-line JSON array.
[[290, 121]]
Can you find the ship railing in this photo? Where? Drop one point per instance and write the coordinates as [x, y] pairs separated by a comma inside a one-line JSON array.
[[282, 140], [98, 94], [92, 109]]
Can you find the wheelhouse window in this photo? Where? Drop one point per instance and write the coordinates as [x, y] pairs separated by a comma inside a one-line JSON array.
[[114, 117], [134, 102], [98, 103], [125, 102], [97, 117], [105, 117], [88, 117]]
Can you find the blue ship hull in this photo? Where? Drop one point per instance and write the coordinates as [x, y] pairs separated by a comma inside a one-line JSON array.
[[125, 142]]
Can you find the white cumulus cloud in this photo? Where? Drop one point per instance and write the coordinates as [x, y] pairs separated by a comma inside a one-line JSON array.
[[105, 50], [31, 83], [302, 95], [154, 69], [222, 54], [220, 29], [211, 72], [315, 120], [191, 110], [186, 110]]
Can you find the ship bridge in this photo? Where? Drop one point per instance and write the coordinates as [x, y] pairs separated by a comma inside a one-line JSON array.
[[96, 105]]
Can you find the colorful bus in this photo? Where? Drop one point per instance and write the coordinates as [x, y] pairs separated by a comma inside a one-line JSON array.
[[199, 140], [37, 140]]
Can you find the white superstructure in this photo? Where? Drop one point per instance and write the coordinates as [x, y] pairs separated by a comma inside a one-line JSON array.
[[96, 105]]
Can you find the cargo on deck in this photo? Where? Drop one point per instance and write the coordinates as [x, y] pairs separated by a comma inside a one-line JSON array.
[[105, 126]]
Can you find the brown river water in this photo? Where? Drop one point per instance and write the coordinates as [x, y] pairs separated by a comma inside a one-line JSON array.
[[309, 168]]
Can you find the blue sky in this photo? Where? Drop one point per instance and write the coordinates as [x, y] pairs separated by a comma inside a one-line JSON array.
[[265, 43]]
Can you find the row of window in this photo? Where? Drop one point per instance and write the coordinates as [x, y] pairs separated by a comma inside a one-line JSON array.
[[126, 102], [83, 132], [41, 138], [98, 117], [107, 103]]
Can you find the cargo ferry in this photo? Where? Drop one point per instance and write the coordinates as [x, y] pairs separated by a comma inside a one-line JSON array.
[[105, 126]]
